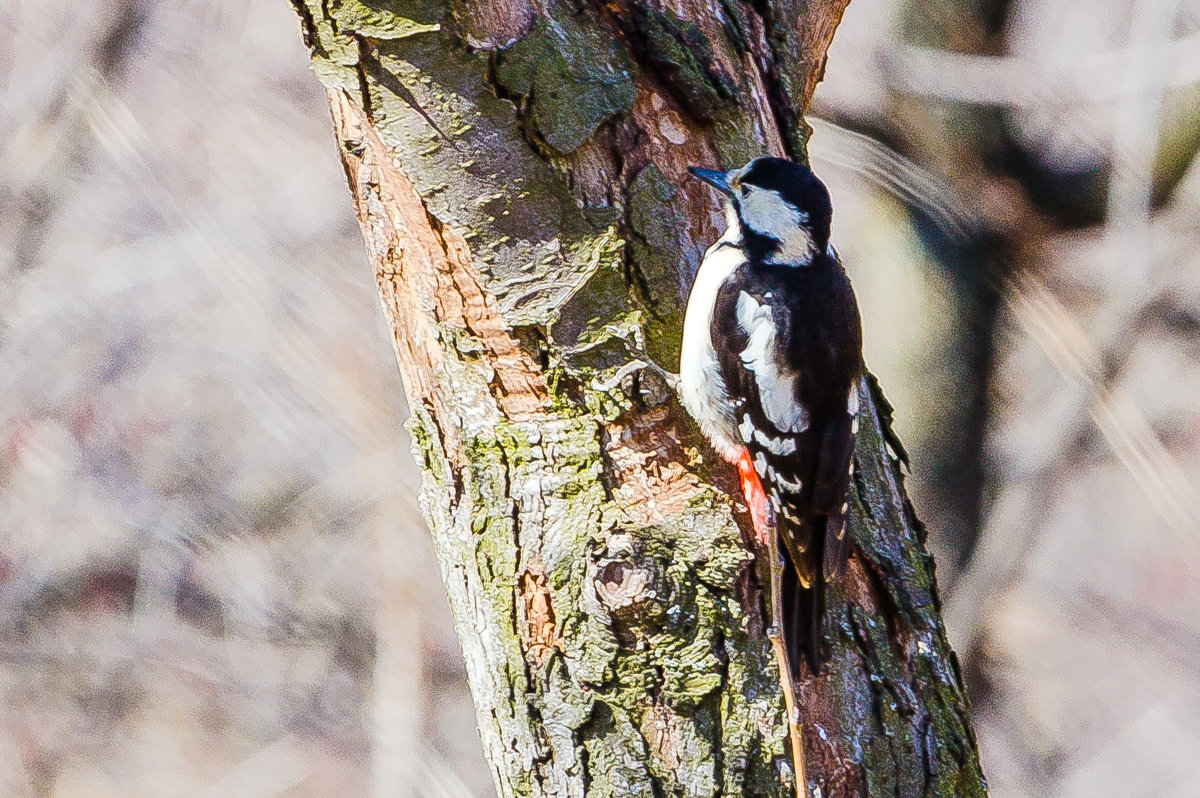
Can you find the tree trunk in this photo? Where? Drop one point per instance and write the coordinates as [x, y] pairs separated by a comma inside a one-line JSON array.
[[519, 172]]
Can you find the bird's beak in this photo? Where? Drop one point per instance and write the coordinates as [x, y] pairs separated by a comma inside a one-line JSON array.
[[718, 180]]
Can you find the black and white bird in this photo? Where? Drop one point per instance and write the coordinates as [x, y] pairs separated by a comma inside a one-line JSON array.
[[770, 368]]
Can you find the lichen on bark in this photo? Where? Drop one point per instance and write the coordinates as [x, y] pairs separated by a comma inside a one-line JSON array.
[[519, 173]]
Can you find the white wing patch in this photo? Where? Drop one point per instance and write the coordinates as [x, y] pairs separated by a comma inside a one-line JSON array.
[[776, 382], [778, 446], [792, 486], [746, 428]]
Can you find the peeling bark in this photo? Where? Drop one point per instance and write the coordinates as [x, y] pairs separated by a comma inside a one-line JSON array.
[[519, 173]]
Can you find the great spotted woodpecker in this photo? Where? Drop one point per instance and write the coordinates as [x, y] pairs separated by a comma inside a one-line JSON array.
[[770, 369]]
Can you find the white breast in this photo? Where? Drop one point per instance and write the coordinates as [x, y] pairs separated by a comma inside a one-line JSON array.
[[702, 389]]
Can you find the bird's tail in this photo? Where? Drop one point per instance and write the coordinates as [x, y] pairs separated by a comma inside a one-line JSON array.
[[803, 608], [803, 587]]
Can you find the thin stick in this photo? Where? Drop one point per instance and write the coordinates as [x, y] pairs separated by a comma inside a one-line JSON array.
[[775, 633]]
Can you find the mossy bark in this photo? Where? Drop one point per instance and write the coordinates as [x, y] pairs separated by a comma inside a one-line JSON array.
[[519, 173]]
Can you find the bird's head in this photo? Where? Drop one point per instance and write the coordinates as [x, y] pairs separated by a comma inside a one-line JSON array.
[[780, 208]]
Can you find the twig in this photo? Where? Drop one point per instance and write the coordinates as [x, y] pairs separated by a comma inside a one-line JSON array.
[[775, 634]]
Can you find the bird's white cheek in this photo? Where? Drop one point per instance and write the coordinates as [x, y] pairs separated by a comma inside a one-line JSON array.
[[767, 213]]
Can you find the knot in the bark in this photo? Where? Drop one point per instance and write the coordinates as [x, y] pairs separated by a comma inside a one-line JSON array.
[[630, 581]]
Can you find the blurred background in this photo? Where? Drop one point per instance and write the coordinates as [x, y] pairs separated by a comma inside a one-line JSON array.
[[213, 577]]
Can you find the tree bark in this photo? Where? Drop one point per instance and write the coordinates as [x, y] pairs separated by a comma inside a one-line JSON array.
[[518, 169]]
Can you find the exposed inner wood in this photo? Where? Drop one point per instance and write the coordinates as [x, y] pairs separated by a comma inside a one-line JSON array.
[[426, 275]]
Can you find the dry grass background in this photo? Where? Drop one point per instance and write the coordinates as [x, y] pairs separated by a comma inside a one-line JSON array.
[[1075, 613], [213, 577], [206, 486]]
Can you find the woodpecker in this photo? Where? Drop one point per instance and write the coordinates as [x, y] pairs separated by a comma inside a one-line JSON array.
[[770, 367]]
